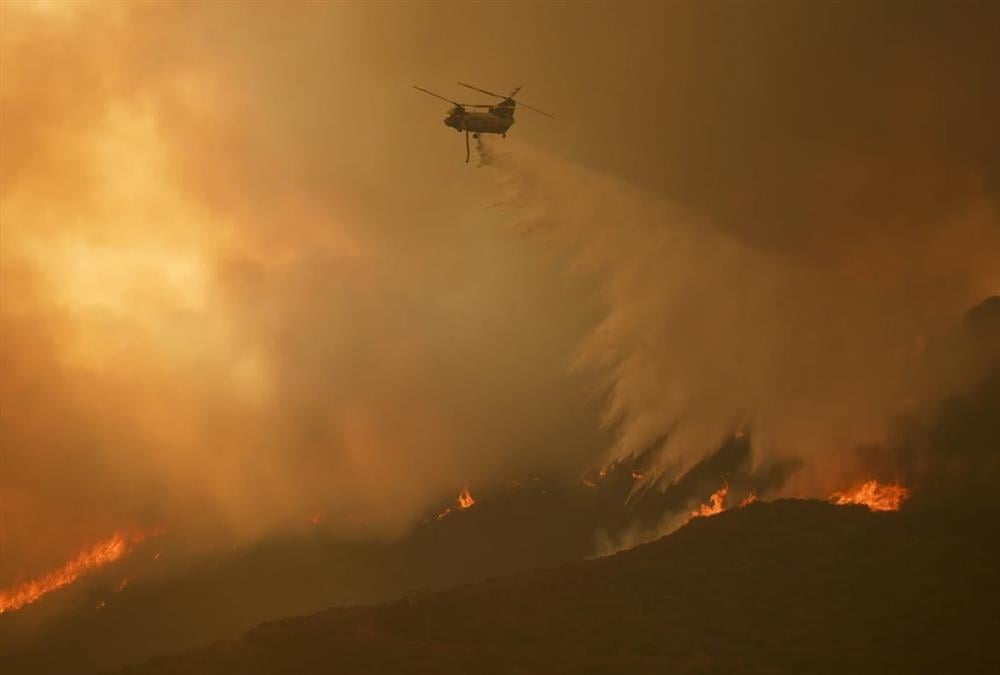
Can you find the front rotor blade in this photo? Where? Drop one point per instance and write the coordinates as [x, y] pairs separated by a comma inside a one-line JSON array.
[[427, 91], [481, 90]]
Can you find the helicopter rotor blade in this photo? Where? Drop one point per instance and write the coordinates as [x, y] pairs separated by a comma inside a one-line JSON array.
[[540, 112], [511, 97], [481, 90], [462, 105], [427, 91]]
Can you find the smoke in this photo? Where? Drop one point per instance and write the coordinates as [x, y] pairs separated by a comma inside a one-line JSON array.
[[705, 334], [248, 279], [228, 305], [950, 455]]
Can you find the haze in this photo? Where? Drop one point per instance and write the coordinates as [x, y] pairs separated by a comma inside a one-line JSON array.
[[248, 278]]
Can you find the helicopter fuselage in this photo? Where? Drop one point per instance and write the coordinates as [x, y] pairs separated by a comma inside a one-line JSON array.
[[484, 118], [479, 122]]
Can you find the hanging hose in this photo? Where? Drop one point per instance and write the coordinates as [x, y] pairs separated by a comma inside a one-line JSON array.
[[466, 146]]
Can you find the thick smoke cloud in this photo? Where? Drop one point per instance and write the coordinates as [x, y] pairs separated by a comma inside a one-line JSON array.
[[247, 276], [230, 304]]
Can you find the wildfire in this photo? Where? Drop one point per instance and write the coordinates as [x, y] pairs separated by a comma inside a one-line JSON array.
[[465, 499], [876, 496], [749, 499], [715, 505], [94, 557]]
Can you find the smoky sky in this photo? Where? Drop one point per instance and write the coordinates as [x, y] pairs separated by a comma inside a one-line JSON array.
[[248, 277]]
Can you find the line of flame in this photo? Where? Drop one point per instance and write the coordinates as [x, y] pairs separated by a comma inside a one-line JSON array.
[[876, 496], [98, 555]]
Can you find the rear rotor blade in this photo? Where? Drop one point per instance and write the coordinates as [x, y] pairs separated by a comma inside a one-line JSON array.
[[511, 97], [463, 105], [540, 112]]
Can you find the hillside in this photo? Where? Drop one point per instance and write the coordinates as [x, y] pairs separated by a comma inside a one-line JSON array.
[[784, 587], [175, 600]]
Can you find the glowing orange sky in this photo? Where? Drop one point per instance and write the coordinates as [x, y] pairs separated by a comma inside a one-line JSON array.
[[247, 276]]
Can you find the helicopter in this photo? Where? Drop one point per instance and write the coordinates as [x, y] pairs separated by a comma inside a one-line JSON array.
[[490, 119]]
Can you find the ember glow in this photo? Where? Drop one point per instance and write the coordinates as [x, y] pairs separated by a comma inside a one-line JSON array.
[[876, 496], [92, 558], [465, 499], [749, 499], [715, 505]]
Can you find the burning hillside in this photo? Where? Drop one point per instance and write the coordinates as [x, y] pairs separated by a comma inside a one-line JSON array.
[[876, 496], [91, 558], [464, 501], [751, 591], [715, 505]]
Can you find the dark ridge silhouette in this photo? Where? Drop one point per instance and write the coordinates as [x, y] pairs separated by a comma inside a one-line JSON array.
[[784, 587], [536, 523]]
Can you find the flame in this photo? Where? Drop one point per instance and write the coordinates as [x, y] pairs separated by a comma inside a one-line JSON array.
[[637, 475], [876, 496], [465, 499], [717, 500], [589, 483], [98, 555], [749, 499]]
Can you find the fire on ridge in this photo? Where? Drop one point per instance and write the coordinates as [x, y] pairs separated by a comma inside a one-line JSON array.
[[716, 503], [465, 500], [876, 496], [91, 558], [873, 494]]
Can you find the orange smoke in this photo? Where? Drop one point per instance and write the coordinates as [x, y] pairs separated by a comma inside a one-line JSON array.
[[98, 555], [715, 504], [876, 496]]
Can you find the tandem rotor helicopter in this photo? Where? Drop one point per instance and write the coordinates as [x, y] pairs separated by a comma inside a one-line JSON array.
[[496, 119]]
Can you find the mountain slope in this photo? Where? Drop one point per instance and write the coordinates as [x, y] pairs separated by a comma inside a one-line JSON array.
[[784, 587]]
